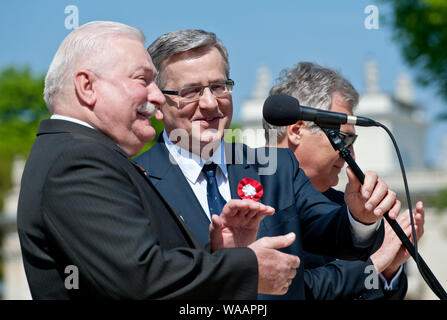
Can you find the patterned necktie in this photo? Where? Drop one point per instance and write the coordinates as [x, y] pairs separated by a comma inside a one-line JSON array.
[[215, 200]]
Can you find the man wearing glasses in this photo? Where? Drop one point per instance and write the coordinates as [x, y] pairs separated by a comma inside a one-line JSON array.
[[196, 172], [323, 88]]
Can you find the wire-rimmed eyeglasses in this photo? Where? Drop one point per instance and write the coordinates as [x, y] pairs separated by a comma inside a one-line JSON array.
[[219, 89]]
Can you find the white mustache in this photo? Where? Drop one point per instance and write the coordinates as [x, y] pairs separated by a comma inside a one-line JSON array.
[[148, 108]]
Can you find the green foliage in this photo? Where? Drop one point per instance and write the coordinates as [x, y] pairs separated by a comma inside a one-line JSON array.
[[21, 109], [233, 134], [420, 26], [439, 201], [158, 126]]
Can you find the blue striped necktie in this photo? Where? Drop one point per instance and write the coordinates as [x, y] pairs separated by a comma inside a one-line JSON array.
[[215, 200]]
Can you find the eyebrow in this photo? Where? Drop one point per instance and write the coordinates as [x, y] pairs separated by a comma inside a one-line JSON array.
[[199, 84], [144, 68]]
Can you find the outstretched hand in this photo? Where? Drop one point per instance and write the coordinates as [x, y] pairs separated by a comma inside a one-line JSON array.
[[237, 225]]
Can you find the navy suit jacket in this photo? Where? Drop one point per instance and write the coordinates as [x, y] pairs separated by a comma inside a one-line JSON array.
[[321, 226], [346, 278]]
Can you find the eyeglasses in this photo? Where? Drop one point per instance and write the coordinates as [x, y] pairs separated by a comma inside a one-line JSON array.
[[348, 137], [187, 94]]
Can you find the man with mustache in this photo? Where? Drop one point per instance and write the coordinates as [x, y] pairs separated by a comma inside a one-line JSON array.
[[85, 205]]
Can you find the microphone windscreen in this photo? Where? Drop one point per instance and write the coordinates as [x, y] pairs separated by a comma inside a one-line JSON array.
[[281, 110]]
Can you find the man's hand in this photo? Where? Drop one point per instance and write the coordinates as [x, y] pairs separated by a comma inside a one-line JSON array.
[[276, 269], [368, 202], [392, 254], [237, 225]]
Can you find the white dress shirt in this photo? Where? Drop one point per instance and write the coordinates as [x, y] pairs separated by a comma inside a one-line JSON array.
[[59, 117], [191, 166]]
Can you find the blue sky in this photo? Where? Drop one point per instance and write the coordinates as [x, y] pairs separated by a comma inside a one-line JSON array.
[[275, 34]]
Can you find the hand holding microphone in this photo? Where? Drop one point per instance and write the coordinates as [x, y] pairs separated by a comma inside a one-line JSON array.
[[283, 110]]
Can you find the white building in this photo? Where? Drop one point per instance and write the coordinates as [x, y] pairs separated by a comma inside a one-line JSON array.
[[15, 285], [406, 121], [251, 110], [374, 149]]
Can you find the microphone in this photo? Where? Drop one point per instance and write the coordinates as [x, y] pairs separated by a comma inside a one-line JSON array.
[[284, 110]]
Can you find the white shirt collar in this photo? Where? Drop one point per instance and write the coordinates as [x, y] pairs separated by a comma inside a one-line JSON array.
[[190, 163], [60, 117]]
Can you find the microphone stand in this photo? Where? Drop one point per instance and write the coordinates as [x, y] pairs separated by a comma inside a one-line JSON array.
[[333, 134]]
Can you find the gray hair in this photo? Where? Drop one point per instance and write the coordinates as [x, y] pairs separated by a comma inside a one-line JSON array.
[[83, 47], [180, 41], [313, 86]]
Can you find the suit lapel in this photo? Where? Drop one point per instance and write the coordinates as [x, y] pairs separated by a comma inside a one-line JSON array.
[[237, 167], [51, 126], [176, 214], [165, 174], [237, 172]]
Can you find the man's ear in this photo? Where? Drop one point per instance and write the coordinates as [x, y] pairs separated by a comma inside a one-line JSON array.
[[83, 82], [294, 133]]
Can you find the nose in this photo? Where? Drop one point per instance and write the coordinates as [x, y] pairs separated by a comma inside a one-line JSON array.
[[154, 95], [207, 100]]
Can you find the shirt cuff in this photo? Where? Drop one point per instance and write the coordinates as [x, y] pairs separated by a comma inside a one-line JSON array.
[[362, 234], [393, 284]]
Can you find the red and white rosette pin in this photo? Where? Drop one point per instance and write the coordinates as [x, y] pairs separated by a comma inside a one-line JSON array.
[[250, 189]]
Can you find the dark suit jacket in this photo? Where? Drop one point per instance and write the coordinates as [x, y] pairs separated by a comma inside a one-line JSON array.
[[346, 278], [83, 202], [321, 226]]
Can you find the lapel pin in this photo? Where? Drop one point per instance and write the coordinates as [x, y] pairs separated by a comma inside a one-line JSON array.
[[250, 189]]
